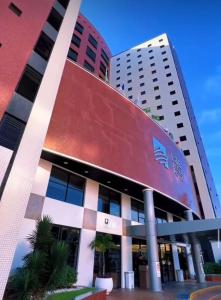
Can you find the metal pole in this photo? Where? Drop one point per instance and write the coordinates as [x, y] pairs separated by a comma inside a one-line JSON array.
[[151, 239]]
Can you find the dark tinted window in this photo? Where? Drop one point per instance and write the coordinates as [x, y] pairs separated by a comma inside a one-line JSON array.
[[175, 102], [11, 130], [144, 101], [137, 211], [172, 92], [182, 138], [179, 125], [186, 152], [157, 97], [91, 54], [104, 56], [109, 201], [15, 9], [79, 28], [65, 186], [88, 66], [73, 55], [29, 83], [103, 68], [159, 107], [76, 40], [177, 113], [55, 19], [92, 40], [143, 93], [64, 3], [44, 46]]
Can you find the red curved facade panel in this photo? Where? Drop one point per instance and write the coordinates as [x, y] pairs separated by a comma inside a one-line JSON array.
[[18, 37], [92, 122], [81, 50]]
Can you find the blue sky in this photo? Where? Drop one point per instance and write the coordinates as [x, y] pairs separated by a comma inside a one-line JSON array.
[[194, 27]]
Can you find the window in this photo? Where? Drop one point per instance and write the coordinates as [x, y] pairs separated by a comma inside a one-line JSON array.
[[128, 74], [65, 186], [161, 216], [172, 92], [71, 237], [29, 83], [129, 81], [118, 65], [175, 102], [154, 72], [163, 52], [118, 58], [104, 56], [129, 89], [138, 50], [143, 101], [152, 65], [92, 40], [128, 67], [165, 59], [149, 45], [162, 46], [160, 40], [128, 54], [140, 62], [15, 9], [177, 113], [44, 46], [182, 138], [88, 66], [139, 56], [141, 76], [128, 60], [156, 88], [168, 74], [142, 84], [166, 67], [76, 40], [130, 97], [73, 55], [179, 125], [155, 79], [118, 78], [159, 107], [186, 152], [55, 19], [118, 85], [150, 51], [170, 83], [11, 130], [141, 69], [157, 97], [79, 28], [109, 201], [118, 71], [151, 57], [161, 118], [64, 3], [91, 54], [143, 93], [137, 211], [103, 68]]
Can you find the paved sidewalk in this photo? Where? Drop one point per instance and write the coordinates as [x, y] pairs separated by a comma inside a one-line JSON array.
[[171, 291]]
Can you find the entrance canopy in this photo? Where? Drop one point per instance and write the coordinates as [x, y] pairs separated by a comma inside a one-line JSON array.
[[202, 228]]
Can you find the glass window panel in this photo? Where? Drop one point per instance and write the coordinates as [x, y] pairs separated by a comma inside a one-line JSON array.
[[134, 215], [75, 196], [59, 176], [115, 208], [56, 191]]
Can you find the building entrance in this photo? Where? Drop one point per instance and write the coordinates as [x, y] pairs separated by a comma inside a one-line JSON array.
[[166, 263]]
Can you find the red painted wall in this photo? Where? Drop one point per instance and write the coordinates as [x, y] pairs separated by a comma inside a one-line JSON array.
[[18, 36], [94, 123], [90, 29]]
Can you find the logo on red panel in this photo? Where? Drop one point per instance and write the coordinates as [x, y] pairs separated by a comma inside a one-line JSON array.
[[161, 155]]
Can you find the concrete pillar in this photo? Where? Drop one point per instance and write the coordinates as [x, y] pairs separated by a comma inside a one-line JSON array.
[[176, 261], [196, 251], [151, 239], [189, 257], [126, 257]]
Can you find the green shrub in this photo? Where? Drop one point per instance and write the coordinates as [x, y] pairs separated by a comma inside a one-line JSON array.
[[212, 268], [69, 278]]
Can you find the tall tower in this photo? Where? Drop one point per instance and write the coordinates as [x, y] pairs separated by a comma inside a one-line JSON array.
[[149, 75]]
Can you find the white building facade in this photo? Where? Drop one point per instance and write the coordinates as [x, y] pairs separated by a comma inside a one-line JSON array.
[[149, 75]]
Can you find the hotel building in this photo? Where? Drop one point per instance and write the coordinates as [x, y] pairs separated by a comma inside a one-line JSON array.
[[74, 148]]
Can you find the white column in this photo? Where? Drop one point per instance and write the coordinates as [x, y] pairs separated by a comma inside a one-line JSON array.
[[151, 240], [176, 261], [19, 184], [85, 266], [91, 194]]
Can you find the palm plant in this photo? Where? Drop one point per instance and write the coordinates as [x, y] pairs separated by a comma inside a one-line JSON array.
[[45, 268], [102, 243]]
